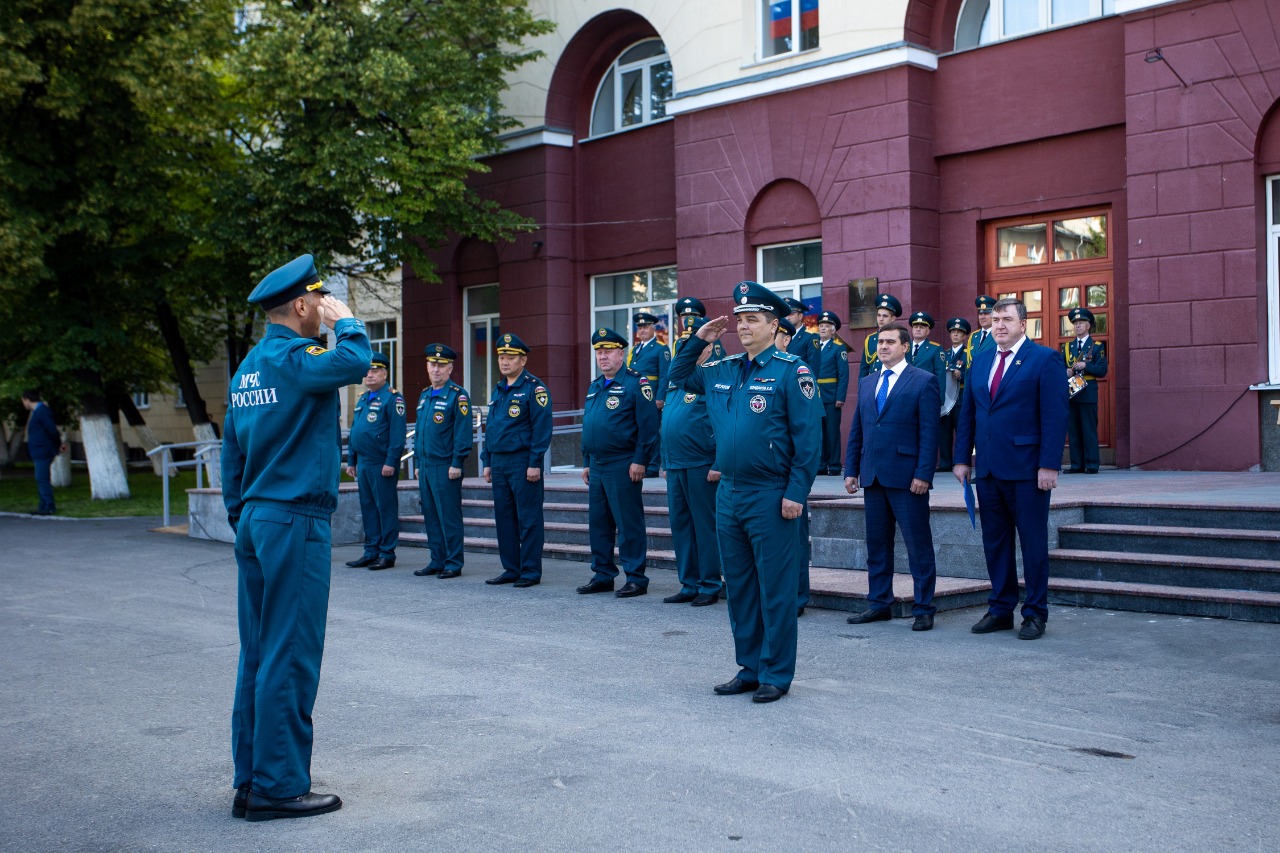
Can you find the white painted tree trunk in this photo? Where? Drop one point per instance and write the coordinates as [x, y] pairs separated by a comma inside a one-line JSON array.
[[107, 480], [213, 458], [60, 473], [147, 437]]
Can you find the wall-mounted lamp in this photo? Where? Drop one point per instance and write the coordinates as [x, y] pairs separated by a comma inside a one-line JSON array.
[[537, 246], [1157, 55]]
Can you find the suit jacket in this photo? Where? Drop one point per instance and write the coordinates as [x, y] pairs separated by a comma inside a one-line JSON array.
[[1025, 427], [900, 444], [43, 438]]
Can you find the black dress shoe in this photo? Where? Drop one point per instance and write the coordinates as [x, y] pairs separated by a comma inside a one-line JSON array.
[[451, 574], [869, 616], [768, 693], [238, 802], [427, 571], [704, 599], [361, 563], [381, 563], [1032, 628], [1091, 470], [1074, 471], [631, 590], [679, 598], [989, 623], [525, 583], [736, 686], [924, 622], [799, 612], [259, 807], [595, 586], [501, 579]]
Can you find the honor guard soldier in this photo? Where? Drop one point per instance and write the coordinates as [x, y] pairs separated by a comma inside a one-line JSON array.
[[830, 363], [1086, 363], [441, 445], [766, 416], [688, 311], [374, 448], [956, 362], [782, 340], [280, 458], [924, 353], [517, 435], [619, 434], [801, 338], [689, 456], [982, 339], [651, 360], [888, 308]]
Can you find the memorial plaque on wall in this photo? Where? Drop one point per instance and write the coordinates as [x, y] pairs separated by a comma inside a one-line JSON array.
[[862, 302]]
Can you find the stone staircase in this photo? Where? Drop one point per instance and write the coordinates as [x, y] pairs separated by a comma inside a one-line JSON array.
[[1193, 561]]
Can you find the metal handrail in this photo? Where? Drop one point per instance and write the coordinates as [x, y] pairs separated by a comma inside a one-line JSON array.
[[478, 438], [168, 464]]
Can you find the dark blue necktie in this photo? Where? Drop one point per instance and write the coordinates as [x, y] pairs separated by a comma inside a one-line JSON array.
[[883, 393]]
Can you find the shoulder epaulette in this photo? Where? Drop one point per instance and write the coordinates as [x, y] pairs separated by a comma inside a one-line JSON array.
[[786, 356]]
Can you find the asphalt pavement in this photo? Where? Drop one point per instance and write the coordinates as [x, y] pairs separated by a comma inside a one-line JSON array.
[[458, 716]]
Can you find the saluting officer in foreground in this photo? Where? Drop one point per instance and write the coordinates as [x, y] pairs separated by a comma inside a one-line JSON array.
[[619, 434], [689, 456], [767, 420], [516, 438], [441, 445], [374, 448], [280, 461]]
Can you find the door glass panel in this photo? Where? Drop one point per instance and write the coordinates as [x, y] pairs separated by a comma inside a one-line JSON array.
[[1031, 299], [1069, 297], [1099, 324], [1008, 296], [1020, 245], [1097, 295], [632, 98], [1034, 328], [1067, 329], [1080, 239], [482, 300]]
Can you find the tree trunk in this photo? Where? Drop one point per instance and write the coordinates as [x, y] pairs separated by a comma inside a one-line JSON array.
[[196, 410], [146, 435], [213, 458], [60, 473], [107, 480]]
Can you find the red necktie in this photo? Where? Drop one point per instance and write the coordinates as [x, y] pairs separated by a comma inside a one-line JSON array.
[[995, 380]]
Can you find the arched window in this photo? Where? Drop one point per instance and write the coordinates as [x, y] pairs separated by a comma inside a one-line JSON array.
[[986, 21], [635, 89]]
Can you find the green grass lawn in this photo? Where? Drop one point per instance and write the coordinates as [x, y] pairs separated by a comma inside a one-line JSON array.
[[18, 494]]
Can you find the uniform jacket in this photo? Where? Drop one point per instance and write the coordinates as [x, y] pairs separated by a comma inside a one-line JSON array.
[[651, 360], [378, 428], [979, 342], [767, 420], [831, 367], [1025, 427], [687, 439], [519, 420], [281, 434], [443, 429], [619, 420], [1094, 356], [929, 357], [900, 443], [870, 355], [802, 344], [43, 438]]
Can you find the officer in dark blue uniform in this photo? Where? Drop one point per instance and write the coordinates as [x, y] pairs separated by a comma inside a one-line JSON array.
[[688, 312], [441, 445], [888, 309], [517, 436], [801, 339], [982, 339], [651, 359], [830, 363], [1086, 358], [767, 419], [782, 339], [956, 365], [689, 455], [619, 432], [924, 353], [280, 461], [374, 448]]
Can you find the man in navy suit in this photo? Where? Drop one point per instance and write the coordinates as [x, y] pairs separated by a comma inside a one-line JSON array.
[[1015, 409], [44, 442], [893, 445]]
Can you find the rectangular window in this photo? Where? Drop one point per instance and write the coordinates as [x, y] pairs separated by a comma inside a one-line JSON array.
[[141, 400], [795, 270], [787, 26], [383, 339], [480, 364], [616, 298], [1273, 279]]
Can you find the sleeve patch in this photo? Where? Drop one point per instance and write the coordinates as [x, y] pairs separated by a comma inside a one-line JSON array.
[[541, 397], [316, 350], [802, 368], [400, 406], [646, 390], [463, 405]]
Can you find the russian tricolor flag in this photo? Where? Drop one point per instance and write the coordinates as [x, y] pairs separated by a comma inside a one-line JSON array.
[[780, 17]]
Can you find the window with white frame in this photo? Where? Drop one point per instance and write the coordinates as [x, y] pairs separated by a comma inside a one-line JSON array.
[[635, 89], [1273, 279], [795, 270], [615, 299], [141, 400], [986, 21], [383, 339], [787, 26]]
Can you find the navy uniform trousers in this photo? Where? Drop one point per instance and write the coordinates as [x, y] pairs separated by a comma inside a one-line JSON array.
[[616, 509], [284, 561], [441, 515], [517, 508], [379, 508], [691, 501], [1082, 434], [884, 508], [760, 551], [806, 557]]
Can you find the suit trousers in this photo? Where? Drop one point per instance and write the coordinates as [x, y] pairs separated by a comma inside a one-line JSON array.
[[44, 483], [616, 511], [1010, 506], [691, 500], [379, 509], [1082, 435], [886, 507], [517, 509], [284, 565], [441, 515], [759, 549]]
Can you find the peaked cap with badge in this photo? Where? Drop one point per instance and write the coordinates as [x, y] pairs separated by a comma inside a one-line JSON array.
[[1078, 314], [985, 304], [829, 317], [509, 344], [603, 338], [959, 323], [439, 354], [288, 282], [889, 302], [749, 297], [922, 318]]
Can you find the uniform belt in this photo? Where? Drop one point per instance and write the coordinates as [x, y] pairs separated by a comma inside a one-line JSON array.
[[651, 378], [825, 381]]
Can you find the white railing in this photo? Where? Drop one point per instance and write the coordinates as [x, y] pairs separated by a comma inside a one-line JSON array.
[[168, 464], [478, 439]]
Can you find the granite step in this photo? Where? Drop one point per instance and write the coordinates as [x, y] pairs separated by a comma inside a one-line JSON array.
[[568, 512], [657, 558], [1243, 605], [846, 589], [1175, 540], [1233, 517], [1223, 573]]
